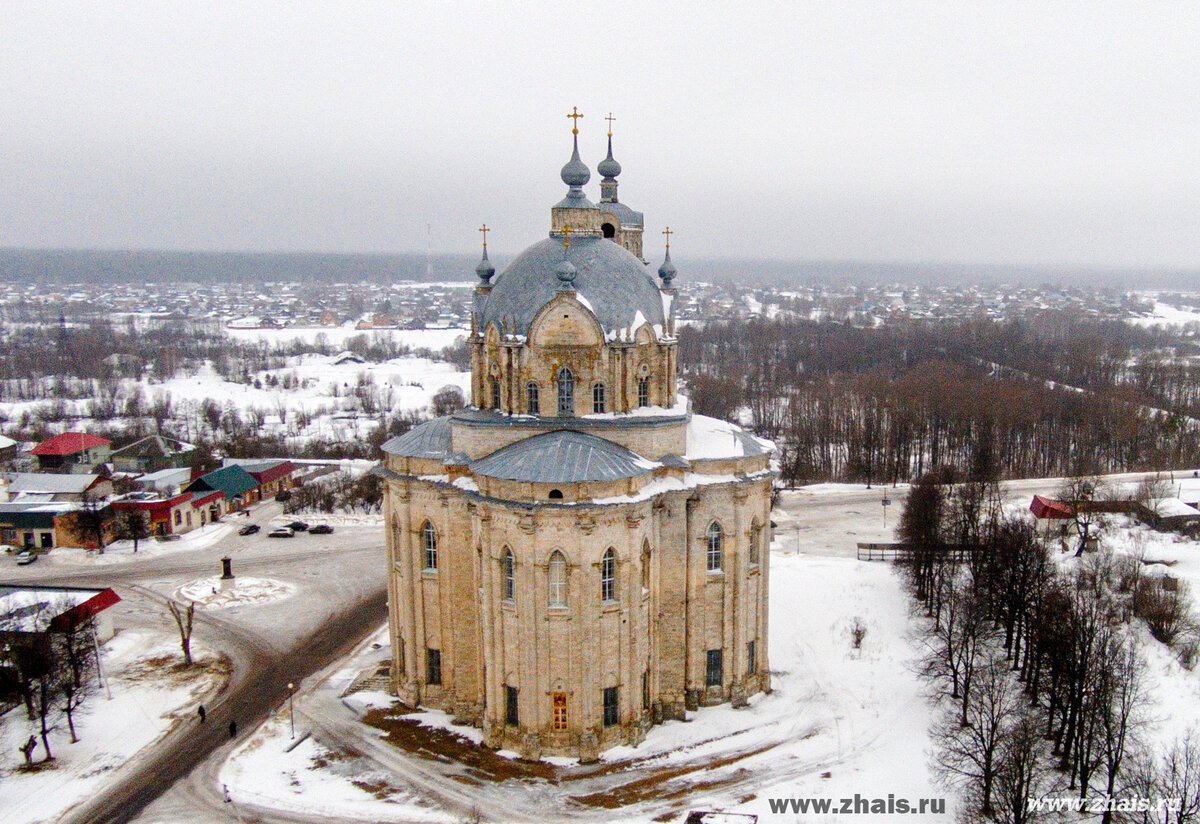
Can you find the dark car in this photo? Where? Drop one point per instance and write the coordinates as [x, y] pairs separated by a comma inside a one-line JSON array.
[[298, 526], [321, 529], [249, 529], [282, 532]]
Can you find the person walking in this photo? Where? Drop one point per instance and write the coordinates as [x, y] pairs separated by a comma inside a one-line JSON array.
[[233, 729], [200, 711]]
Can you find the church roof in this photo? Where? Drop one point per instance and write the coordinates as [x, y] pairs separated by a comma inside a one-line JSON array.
[[428, 440], [621, 212], [562, 456], [610, 280]]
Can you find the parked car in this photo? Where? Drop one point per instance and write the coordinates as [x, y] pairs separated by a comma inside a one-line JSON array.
[[282, 532], [321, 529], [298, 526], [249, 529], [26, 557]]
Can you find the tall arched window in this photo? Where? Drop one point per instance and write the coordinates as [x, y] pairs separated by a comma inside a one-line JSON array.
[[645, 565], [566, 393], [755, 537], [643, 391], [429, 540], [510, 576], [558, 580], [598, 401], [495, 393], [608, 576], [531, 397], [715, 540]]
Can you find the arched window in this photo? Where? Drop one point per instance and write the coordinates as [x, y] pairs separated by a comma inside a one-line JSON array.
[[608, 230], [755, 537], [510, 576], [608, 576], [598, 404], [558, 580], [643, 391], [531, 397], [646, 565], [429, 540], [566, 393], [495, 394], [715, 540], [555, 495]]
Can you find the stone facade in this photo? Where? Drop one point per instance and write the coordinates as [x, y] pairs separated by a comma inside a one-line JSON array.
[[566, 591]]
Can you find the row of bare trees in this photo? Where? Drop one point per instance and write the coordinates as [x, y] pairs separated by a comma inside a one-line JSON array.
[[51, 670], [1040, 670]]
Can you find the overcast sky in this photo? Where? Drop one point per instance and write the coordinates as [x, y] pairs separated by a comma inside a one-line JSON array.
[[1041, 133]]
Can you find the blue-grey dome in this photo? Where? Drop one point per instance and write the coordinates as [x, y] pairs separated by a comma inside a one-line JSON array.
[[485, 270], [575, 173], [609, 280], [428, 440], [667, 271], [562, 456], [609, 167]]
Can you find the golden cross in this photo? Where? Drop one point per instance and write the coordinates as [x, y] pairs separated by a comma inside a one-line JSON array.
[[574, 115], [667, 231], [484, 228], [610, 120], [566, 236]]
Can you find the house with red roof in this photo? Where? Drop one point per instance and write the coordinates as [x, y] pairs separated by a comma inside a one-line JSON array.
[[73, 452]]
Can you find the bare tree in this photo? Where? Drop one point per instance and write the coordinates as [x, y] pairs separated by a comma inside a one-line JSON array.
[[183, 620], [1151, 491], [1024, 773], [1081, 494], [1178, 777], [73, 653], [132, 525], [448, 400], [970, 755]]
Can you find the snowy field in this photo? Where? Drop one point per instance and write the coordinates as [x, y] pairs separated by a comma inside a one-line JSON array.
[[1167, 315], [148, 698], [433, 339]]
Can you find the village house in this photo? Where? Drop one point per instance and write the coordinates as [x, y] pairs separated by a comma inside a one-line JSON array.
[[73, 452], [151, 454]]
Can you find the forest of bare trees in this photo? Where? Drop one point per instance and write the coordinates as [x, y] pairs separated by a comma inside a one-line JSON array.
[[1055, 395]]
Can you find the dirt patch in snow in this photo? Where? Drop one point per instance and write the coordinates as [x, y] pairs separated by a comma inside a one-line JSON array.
[[445, 746]]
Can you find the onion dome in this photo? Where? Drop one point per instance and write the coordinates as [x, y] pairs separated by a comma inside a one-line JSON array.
[[667, 271], [485, 270], [575, 174], [609, 167]]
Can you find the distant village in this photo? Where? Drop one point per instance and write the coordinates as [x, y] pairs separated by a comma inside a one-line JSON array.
[[445, 305]]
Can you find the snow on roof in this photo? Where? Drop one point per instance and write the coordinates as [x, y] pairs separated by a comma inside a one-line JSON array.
[[69, 443], [46, 482], [31, 609], [1173, 507], [710, 438], [6, 442]]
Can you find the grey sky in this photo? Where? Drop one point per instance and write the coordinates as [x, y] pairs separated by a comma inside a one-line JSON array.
[[1048, 133]]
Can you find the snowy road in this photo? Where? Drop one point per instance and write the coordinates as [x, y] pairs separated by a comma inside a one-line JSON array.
[[339, 597]]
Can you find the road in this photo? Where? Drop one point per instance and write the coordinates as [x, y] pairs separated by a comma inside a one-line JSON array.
[[341, 598]]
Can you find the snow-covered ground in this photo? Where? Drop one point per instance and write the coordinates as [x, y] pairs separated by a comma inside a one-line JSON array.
[[120, 552], [859, 715], [147, 699], [216, 593], [432, 339], [1167, 315]]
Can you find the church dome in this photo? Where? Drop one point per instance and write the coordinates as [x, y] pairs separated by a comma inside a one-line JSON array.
[[609, 280], [562, 456]]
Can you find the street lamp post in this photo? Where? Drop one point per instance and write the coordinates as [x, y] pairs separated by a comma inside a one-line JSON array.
[[291, 711]]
